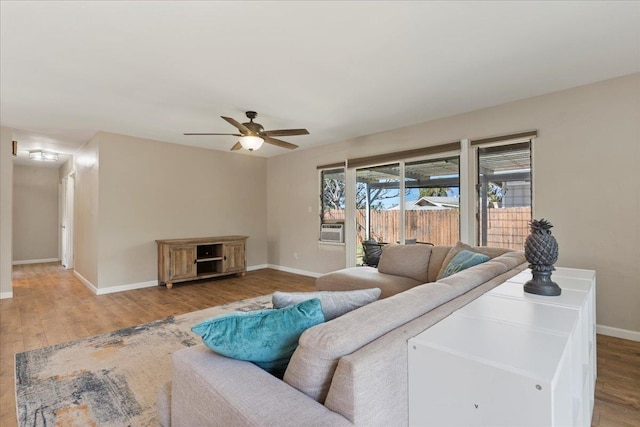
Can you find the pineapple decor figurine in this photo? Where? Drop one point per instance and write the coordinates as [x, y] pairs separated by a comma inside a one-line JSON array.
[[541, 250]]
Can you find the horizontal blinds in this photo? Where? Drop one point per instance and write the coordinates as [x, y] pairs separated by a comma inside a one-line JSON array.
[[401, 155], [509, 137], [358, 162], [331, 166]]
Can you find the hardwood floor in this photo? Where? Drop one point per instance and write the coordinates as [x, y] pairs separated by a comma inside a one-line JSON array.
[[51, 306]]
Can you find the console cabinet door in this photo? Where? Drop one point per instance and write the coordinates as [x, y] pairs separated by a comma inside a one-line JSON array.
[[234, 257], [182, 262]]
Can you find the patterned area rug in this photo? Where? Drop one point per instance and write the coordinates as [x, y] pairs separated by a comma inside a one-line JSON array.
[[109, 379]]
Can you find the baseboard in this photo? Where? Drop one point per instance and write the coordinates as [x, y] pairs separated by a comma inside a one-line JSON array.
[[129, 287], [5, 295], [114, 289], [618, 333], [257, 267], [35, 261], [294, 270], [87, 283]]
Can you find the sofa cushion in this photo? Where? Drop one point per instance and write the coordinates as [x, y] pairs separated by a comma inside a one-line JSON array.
[[463, 260], [406, 260], [267, 338], [485, 250], [364, 278], [334, 303], [468, 279], [314, 361], [369, 386], [438, 254]]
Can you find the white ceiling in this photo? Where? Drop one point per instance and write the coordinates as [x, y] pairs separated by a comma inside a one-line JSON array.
[[156, 69]]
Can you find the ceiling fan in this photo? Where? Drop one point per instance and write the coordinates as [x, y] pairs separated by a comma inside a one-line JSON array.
[[252, 134]]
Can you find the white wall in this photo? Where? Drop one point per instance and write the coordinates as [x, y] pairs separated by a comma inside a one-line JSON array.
[[140, 190], [35, 213], [586, 175], [6, 203]]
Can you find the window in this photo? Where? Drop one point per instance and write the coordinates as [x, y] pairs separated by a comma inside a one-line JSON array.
[[504, 195], [408, 202], [332, 196], [378, 203], [432, 208]]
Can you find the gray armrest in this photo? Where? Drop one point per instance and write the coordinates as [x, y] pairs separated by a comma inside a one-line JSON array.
[[212, 390]]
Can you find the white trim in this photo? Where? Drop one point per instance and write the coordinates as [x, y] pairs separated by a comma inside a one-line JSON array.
[[5, 295], [467, 193], [129, 287], [320, 243], [152, 283], [618, 333], [35, 261], [114, 289], [350, 218], [294, 270], [87, 283]]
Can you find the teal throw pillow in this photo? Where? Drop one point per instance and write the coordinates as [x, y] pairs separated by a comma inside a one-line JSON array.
[[463, 260], [267, 338]]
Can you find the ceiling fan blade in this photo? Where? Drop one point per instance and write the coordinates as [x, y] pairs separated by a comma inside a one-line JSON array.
[[279, 143], [236, 146], [234, 134], [237, 124], [286, 132]]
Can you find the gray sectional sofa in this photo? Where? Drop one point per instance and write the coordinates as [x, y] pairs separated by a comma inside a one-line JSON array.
[[349, 371]]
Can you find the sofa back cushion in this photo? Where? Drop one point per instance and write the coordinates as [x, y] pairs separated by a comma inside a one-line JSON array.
[[406, 260], [485, 250], [438, 254], [312, 365]]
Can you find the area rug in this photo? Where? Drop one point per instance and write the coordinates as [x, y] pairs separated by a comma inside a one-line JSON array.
[[109, 379]]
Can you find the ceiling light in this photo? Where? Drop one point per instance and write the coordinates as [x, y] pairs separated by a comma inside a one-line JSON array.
[[43, 156], [251, 142]]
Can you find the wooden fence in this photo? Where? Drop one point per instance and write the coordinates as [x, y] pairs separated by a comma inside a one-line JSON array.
[[506, 227]]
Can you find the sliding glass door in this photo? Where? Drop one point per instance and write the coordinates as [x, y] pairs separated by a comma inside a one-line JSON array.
[[378, 198], [432, 208], [413, 202]]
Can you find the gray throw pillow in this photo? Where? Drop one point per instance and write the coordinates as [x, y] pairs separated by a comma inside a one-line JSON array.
[[334, 303]]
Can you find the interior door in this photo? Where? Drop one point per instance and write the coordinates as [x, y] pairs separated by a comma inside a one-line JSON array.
[[68, 190]]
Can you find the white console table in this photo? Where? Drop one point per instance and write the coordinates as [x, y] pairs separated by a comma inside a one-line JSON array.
[[509, 358]]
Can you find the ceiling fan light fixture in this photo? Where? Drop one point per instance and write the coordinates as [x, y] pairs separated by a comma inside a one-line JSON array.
[[43, 156], [251, 142]]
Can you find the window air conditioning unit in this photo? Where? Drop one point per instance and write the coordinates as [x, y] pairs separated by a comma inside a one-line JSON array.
[[332, 233]]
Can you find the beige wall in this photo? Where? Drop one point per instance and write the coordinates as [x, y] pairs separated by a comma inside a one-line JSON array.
[[6, 195], [85, 228], [148, 190], [35, 213], [586, 176]]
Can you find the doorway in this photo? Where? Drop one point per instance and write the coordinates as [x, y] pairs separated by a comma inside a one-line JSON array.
[[66, 222]]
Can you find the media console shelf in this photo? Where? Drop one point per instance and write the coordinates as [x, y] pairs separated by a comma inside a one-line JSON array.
[[180, 260]]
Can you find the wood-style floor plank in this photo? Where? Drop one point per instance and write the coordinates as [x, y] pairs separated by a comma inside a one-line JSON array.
[[51, 306]]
